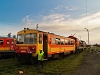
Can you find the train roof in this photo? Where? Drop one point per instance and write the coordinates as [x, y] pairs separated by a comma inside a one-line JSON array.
[[34, 30], [72, 37], [7, 37], [43, 32], [82, 41]]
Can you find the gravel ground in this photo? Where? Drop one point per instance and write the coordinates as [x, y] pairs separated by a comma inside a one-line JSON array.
[[90, 65]]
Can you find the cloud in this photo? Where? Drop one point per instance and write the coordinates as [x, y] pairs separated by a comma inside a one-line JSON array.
[[64, 20], [7, 28], [64, 25], [73, 8], [63, 7], [56, 18]]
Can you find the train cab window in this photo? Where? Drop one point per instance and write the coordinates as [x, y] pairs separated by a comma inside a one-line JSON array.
[[20, 38], [33, 38], [57, 41], [52, 40], [1, 42], [7, 43], [30, 38], [27, 39], [40, 38]]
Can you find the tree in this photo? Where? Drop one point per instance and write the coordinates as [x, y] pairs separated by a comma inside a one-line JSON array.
[[9, 34], [14, 36]]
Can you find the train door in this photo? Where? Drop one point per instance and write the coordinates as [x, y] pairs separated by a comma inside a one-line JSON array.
[[45, 44], [75, 43]]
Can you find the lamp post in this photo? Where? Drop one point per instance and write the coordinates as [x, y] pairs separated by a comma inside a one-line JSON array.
[[88, 34], [80, 37]]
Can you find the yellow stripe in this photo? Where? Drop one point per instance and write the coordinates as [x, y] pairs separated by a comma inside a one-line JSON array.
[[23, 47], [4, 48]]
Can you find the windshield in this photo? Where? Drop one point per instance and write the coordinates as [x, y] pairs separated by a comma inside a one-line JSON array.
[[20, 38], [27, 38]]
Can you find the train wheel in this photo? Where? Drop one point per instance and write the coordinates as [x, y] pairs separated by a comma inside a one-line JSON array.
[[34, 60], [61, 55]]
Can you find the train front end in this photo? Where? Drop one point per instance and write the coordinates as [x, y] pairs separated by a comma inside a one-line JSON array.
[[27, 45], [7, 47]]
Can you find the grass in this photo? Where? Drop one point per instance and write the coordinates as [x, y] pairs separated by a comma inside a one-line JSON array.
[[62, 66]]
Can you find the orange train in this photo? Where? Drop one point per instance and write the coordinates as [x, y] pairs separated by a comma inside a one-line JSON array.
[[30, 41], [79, 44], [7, 47]]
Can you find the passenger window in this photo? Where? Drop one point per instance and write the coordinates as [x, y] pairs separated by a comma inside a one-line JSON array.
[[1, 42], [71, 42], [7, 42], [57, 41], [52, 40], [62, 42], [68, 42], [12, 41]]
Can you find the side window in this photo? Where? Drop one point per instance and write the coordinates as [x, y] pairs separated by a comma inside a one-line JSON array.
[[66, 42], [71, 42], [12, 41], [81, 43], [57, 41], [7, 42], [40, 38], [62, 42], [1, 42], [52, 40]]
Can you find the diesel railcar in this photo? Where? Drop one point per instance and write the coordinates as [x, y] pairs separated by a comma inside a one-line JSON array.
[[7, 47], [30, 41]]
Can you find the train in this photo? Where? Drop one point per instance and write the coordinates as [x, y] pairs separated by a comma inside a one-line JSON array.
[[79, 44], [7, 47], [30, 41]]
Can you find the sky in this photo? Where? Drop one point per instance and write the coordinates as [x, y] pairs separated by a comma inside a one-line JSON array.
[[62, 17]]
